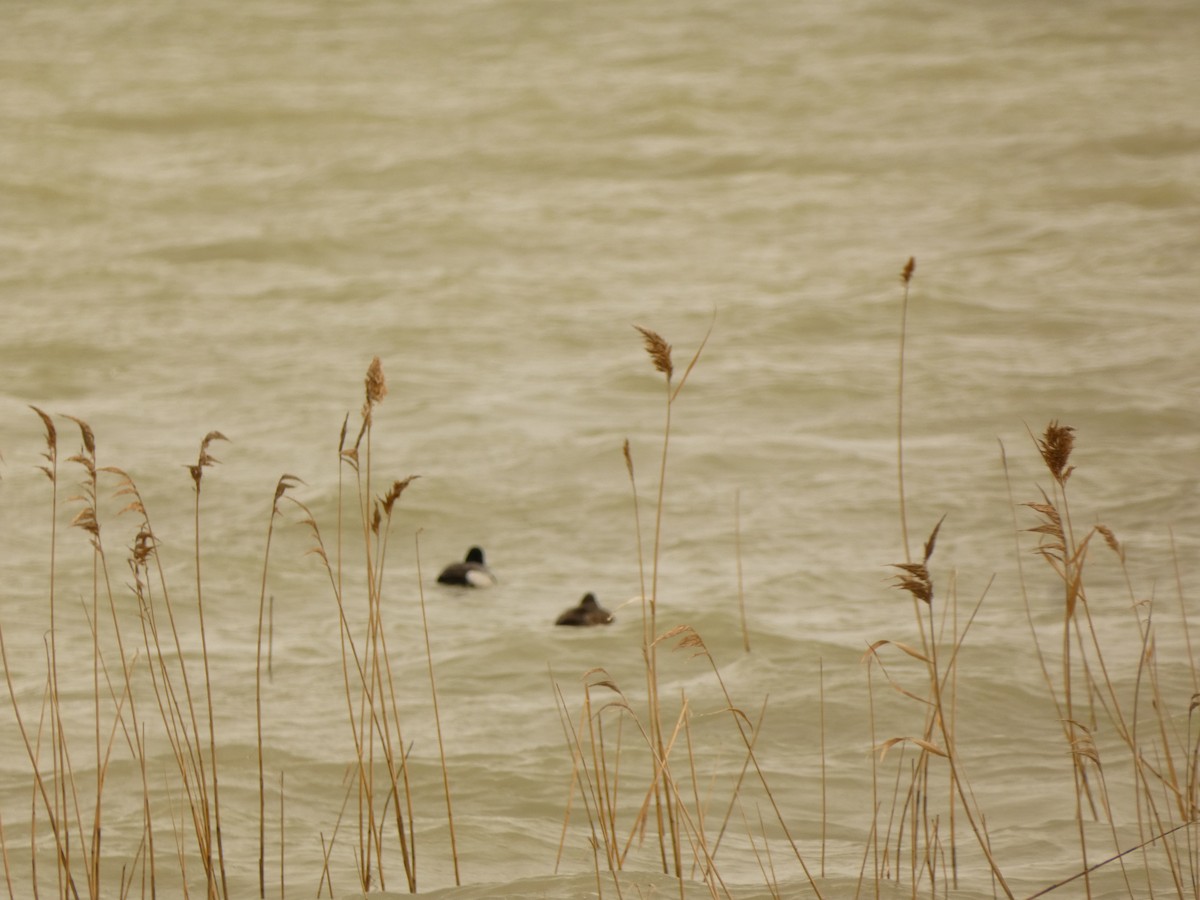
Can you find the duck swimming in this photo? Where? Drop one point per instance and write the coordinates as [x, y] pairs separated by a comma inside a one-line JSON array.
[[471, 572], [588, 612]]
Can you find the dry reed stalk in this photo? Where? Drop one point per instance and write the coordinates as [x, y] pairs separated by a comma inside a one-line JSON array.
[[86, 520], [770, 878], [1193, 668], [437, 719], [203, 461], [49, 801], [350, 657], [1066, 556], [7, 865], [735, 792], [285, 483], [589, 792], [381, 775], [660, 355], [737, 549], [918, 582], [147, 818], [824, 795], [399, 774], [874, 844], [58, 813], [605, 814], [178, 711], [282, 842], [690, 639], [906, 277], [575, 763]]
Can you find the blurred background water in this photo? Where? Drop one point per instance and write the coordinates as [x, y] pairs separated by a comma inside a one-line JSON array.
[[215, 214]]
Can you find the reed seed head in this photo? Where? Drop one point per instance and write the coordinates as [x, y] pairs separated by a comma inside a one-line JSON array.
[[909, 268], [205, 458], [1111, 539], [916, 578], [659, 350], [376, 386], [1056, 445], [51, 454], [389, 499]]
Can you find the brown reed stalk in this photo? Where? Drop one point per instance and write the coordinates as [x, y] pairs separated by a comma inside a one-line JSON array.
[[58, 812], [205, 460], [349, 649], [7, 865], [690, 639], [350, 658], [49, 795], [906, 277], [824, 780], [285, 483], [589, 792], [282, 842], [87, 520], [1193, 668], [875, 805], [735, 792], [368, 684], [915, 578], [767, 868], [737, 549], [575, 764], [660, 355], [385, 685], [147, 817], [437, 719], [1058, 546], [177, 710]]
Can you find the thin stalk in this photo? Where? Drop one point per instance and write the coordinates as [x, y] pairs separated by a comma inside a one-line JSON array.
[[737, 547], [906, 277], [437, 719], [197, 470], [285, 482], [824, 780]]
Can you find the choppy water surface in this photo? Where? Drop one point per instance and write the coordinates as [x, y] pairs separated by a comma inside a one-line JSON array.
[[214, 216]]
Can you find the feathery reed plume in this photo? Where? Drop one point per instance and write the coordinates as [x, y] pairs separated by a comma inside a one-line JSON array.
[[51, 452], [376, 390], [659, 350], [205, 459], [389, 499], [916, 578], [376, 384], [1056, 445]]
